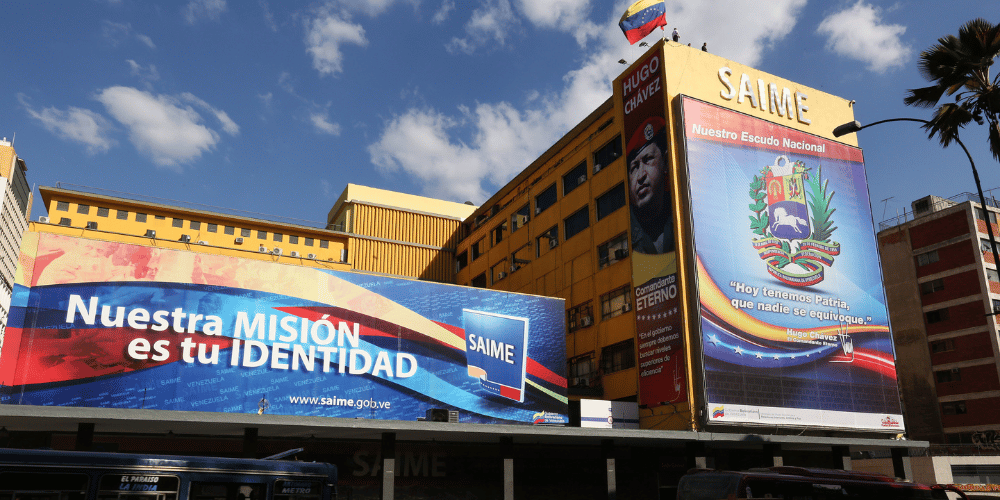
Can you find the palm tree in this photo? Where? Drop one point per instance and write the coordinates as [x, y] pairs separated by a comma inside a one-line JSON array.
[[960, 66]]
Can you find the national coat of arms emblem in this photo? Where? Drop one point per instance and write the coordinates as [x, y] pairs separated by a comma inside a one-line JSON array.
[[791, 207]]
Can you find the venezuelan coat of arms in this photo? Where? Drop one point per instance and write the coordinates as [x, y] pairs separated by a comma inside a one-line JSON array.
[[792, 221]]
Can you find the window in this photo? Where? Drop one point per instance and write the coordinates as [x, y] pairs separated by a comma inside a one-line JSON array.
[[160, 217], [980, 216], [927, 258], [545, 199], [62, 205], [194, 225], [478, 248], [954, 408], [618, 357], [615, 303], [520, 257], [121, 215], [607, 154], [547, 241], [140, 217], [991, 275], [580, 370], [65, 221], [308, 241], [245, 233], [942, 346], [932, 286], [261, 235], [937, 316], [985, 247], [953, 375], [575, 177], [103, 212], [499, 270], [479, 281], [83, 209], [581, 316], [973, 473], [520, 218], [610, 201], [612, 251], [461, 260], [996, 306], [577, 222], [294, 240], [229, 230], [498, 232], [213, 228], [177, 222], [324, 243], [276, 237]]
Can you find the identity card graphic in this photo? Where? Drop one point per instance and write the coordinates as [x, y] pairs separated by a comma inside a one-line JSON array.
[[495, 351]]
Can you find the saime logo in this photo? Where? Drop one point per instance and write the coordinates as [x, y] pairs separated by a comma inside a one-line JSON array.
[[889, 422], [719, 412]]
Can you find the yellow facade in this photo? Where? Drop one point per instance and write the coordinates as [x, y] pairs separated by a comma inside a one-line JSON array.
[[580, 269]]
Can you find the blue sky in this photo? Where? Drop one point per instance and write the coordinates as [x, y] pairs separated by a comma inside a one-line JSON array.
[[272, 107]]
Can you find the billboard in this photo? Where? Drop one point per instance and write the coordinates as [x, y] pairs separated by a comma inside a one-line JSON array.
[[662, 377], [793, 314], [105, 324]]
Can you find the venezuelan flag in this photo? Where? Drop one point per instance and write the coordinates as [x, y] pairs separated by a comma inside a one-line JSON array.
[[641, 18]]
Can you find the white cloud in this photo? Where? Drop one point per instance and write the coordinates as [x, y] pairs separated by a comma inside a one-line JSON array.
[[116, 33], [160, 126], [859, 33], [78, 125], [490, 24], [266, 99], [321, 120], [228, 126], [324, 36], [197, 10], [442, 13], [370, 7], [268, 17], [503, 139], [564, 15], [147, 74], [145, 40]]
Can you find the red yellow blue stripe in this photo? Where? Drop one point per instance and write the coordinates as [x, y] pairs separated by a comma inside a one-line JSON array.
[[641, 18]]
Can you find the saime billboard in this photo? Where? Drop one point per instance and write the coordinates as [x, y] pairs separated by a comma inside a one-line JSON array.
[[793, 317], [662, 377], [104, 324]]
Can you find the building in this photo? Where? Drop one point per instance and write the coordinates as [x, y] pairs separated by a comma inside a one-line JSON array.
[[13, 221], [943, 291]]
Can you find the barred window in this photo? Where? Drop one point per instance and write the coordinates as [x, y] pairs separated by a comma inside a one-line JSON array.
[[83, 209], [932, 286], [307, 241], [177, 222], [213, 228], [195, 225], [520, 218], [618, 357], [580, 370], [277, 237], [103, 211], [581, 316], [62, 205], [122, 215], [324, 244], [937, 316], [229, 230], [261, 235], [927, 258], [616, 303], [612, 251], [245, 233], [140, 217], [294, 240]]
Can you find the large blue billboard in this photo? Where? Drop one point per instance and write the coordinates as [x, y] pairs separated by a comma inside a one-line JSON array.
[[104, 324]]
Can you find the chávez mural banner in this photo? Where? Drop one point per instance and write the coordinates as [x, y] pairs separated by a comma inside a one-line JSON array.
[[793, 316], [103, 324]]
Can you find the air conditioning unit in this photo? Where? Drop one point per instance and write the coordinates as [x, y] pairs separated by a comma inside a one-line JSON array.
[[597, 168], [553, 242], [538, 210], [151, 233], [621, 253], [239, 240], [276, 251], [580, 382], [627, 307], [581, 179], [441, 415], [43, 219], [294, 253], [202, 242], [262, 249], [586, 321], [92, 225], [501, 275], [311, 256], [185, 238], [514, 267]]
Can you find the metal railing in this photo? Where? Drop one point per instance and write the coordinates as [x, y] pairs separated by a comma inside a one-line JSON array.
[[937, 206]]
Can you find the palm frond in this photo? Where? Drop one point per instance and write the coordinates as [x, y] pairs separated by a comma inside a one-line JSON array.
[[995, 140], [948, 118]]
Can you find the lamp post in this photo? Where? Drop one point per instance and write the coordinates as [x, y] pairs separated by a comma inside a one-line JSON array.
[[856, 126]]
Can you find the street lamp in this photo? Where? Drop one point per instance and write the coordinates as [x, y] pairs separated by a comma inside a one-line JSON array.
[[855, 126]]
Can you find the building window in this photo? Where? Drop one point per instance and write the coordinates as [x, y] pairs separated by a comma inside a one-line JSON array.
[[65, 221], [520, 218], [996, 306], [577, 222], [261, 235], [615, 303], [520, 257], [62, 205], [292, 239], [499, 271], [991, 275], [177, 222], [479, 281], [245, 233], [954, 408], [308, 241], [547, 241], [83, 209], [103, 212], [985, 247], [937, 316], [618, 357], [196, 225], [461, 261], [932, 286], [498, 232], [980, 216], [160, 217], [610, 201], [581, 316], [927, 258], [612, 251], [942, 346], [276, 237], [121, 215], [324, 243], [607, 154], [479, 248], [953, 375], [575, 177], [229, 230], [973, 473], [140, 217], [580, 371], [545, 199], [213, 228]]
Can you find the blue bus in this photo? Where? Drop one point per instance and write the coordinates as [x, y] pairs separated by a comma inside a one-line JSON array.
[[70, 475]]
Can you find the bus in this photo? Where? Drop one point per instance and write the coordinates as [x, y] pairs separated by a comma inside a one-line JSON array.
[[72, 475], [800, 483]]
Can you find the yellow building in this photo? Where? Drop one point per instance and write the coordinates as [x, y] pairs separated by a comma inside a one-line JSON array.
[[562, 226]]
